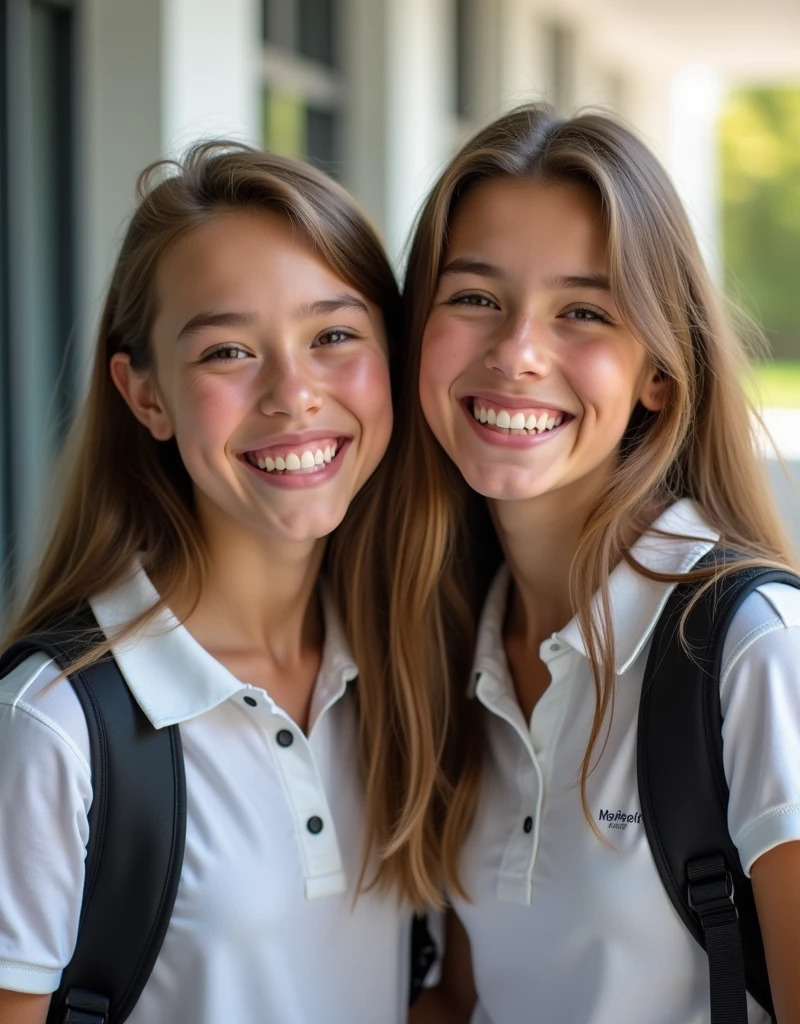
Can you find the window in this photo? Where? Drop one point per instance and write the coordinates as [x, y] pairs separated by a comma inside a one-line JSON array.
[[37, 261], [302, 84]]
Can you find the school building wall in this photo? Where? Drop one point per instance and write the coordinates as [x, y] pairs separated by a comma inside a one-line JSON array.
[[379, 92]]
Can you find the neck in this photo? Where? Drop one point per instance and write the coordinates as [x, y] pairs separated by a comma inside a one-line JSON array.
[[539, 537], [258, 596]]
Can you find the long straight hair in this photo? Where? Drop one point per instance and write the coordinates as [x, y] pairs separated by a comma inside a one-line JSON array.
[[123, 495], [699, 446]]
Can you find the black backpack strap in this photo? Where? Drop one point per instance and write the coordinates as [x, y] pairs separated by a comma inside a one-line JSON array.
[[423, 956], [684, 793], [137, 828]]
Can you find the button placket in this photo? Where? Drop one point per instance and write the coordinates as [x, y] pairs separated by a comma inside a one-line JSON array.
[[515, 881], [314, 828], [316, 834]]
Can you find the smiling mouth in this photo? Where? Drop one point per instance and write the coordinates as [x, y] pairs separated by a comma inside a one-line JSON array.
[[298, 461], [518, 422]]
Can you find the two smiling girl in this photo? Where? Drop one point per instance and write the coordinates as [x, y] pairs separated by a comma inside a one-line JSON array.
[[553, 284]]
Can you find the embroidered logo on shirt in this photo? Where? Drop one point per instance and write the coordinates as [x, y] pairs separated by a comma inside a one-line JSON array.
[[619, 819]]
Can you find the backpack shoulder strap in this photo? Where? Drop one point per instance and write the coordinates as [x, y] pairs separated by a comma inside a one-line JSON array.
[[684, 793], [137, 828]]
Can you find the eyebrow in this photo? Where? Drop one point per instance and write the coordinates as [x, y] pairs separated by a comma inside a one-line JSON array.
[[597, 282], [227, 318], [231, 318], [467, 265], [324, 307]]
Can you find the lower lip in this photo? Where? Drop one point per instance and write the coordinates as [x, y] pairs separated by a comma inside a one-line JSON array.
[[510, 440], [299, 481]]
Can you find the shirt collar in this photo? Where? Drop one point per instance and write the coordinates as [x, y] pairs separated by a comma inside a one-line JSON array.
[[673, 544], [171, 676]]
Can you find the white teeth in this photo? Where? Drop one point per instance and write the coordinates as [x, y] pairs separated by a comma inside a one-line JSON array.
[[541, 422], [503, 419], [262, 463], [319, 458], [269, 465], [491, 417], [517, 421], [279, 463], [307, 460], [530, 422], [327, 454], [483, 416], [551, 423], [476, 411], [292, 461], [558, 421]]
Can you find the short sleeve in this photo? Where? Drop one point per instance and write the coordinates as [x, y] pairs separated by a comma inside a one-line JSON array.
[[760, 694], [45, 795]]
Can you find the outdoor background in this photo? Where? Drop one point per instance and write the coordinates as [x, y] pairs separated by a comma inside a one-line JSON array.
[[379, 93]]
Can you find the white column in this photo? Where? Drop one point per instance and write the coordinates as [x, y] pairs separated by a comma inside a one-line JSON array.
[[210, 71], [418, 37], [696, 100]]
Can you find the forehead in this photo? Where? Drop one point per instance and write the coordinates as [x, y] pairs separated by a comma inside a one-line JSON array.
[[506, 218], [240, 255]]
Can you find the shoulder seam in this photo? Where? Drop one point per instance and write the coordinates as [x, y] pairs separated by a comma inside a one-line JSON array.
[[48, 723]]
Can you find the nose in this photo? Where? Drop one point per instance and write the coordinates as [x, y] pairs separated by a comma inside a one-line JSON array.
[[521, 350], [289, 388]]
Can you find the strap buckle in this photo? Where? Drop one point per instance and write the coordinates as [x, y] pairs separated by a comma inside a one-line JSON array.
[[712, 899], [84, 1007]]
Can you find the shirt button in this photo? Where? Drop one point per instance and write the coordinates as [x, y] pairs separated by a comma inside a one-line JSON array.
[[249, 700], [284, 738], [314, 825], [527, 825], [555, 647]]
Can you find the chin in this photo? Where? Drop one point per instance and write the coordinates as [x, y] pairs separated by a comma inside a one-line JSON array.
[[303, 529], [507, 486]]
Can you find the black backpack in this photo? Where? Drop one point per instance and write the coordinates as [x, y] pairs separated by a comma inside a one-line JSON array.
[[684, 794], [137, 817]]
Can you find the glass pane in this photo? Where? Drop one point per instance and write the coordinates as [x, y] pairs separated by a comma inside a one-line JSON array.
[[277, 22], [464, 52], [316, 30], [322, 138], [284, 125]]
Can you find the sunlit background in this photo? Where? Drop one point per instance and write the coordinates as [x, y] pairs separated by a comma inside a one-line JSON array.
[[379, 93]]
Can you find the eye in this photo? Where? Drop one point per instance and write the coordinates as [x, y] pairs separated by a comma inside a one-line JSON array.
[[475, 299], [225, 354], [587, 314], [335, 336]]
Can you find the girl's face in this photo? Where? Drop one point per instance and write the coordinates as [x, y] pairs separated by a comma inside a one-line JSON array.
[[270, 372], [528, 376]]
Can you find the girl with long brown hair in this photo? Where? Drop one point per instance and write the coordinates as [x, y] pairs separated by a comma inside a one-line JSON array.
[[579, 440], [239, 407]]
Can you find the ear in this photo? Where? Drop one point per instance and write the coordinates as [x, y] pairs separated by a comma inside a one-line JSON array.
[[141, 395], [653, 392]]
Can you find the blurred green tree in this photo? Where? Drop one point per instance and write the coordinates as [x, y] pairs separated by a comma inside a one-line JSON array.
[[760, 139]]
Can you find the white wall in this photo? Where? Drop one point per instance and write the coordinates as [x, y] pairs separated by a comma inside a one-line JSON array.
[[156, 75]]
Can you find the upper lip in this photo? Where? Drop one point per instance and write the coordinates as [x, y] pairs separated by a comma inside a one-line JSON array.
[[299, 438], [515, 401]]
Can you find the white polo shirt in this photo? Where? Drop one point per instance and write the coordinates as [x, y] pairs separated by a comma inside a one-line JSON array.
[[265, 929], [563, 929]]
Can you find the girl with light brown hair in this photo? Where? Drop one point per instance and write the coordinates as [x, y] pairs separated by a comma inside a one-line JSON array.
[[216, 513], [577, 439]]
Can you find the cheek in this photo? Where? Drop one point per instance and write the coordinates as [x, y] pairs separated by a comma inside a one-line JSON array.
[[443, 357], [362, 385], [209, 407], [608, 377]]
